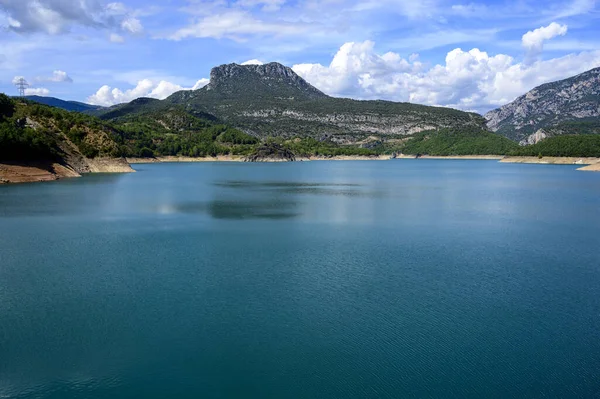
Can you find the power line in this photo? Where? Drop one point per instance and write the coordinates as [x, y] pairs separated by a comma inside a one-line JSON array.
[[22, 85]]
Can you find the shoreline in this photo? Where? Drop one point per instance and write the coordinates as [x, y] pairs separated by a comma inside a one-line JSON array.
[[587, 163], [30, 172], [240, 158], [44, 171], [501, 158]]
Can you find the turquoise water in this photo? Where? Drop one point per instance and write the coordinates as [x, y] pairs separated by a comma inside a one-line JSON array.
[[407, 278]]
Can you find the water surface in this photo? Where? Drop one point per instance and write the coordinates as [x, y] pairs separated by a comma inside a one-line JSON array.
[[407, 278]]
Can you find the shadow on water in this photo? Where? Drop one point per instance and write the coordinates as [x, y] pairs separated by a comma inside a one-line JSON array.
[[273, 200], [326, 189], [274, 184], [240, 209]]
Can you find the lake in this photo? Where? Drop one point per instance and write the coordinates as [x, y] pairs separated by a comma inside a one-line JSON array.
[[366, 279]]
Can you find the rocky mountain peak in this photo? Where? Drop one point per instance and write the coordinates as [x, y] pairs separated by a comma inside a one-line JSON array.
[[572, 99], [268, 79]]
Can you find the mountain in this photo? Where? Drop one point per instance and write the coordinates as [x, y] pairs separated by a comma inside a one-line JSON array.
[[569, 106], [260, 81], [272, 100], [66, 105]]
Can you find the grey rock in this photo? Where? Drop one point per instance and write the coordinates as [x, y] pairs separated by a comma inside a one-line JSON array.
[[576, 98]]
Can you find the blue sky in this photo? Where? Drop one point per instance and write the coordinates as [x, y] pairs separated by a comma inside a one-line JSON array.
[[464, 54]]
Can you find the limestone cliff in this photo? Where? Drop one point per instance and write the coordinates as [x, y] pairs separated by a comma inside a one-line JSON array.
[[576, 99]]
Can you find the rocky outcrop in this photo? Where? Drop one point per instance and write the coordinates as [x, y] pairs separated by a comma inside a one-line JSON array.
[[29, 172], [34, 172], [272, 78], [576, 98], [534, 138], [271, 152]]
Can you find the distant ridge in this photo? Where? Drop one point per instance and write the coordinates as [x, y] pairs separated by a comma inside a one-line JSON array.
[[66, 105]]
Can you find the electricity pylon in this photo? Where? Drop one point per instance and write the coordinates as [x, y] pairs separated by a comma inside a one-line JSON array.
[[22, 85]]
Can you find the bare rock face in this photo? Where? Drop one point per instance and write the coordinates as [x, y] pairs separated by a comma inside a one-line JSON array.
[[534, 138], [576, 98], [273, 78]]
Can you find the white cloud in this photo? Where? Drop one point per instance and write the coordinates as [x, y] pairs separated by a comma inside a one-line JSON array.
[[469, 80], [236, 25], [115, 38], [162, 89], [16, 79], [39, 91], [57, 77], [201, 83], [59, 16], [132, 25], [252, 62], [355, 67], [533, 41]]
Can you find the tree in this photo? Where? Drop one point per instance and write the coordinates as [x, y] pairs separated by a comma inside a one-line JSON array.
[[7, 107]]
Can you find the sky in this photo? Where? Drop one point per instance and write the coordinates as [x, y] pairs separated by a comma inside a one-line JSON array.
[[470, 55]]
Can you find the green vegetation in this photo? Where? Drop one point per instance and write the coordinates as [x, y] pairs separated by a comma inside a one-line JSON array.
[[271, 115], [302, 121], [582, 126], [92, 136], [18, 142], [585, 145], [308, 147], [466, 141], [175, 132]]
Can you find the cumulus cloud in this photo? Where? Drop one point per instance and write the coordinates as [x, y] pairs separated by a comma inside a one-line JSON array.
[[533, 41], [356, 67], [201, 83], [132, 25], [469, 80], [107, 96], [252, 62], [58, 16], [57, 77], [16, 79]]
